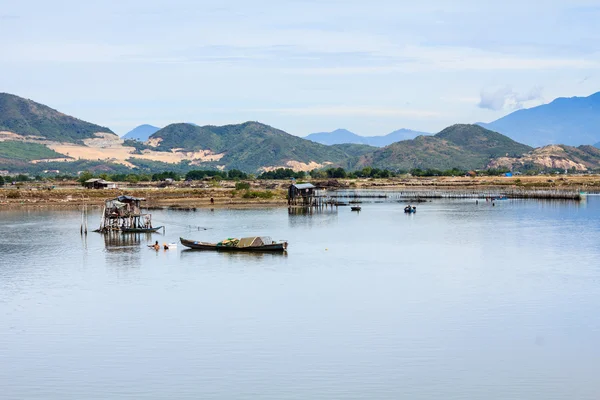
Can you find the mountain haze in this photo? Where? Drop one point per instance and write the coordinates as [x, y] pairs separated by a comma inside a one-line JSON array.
[[30, 119], [342, 136], [141, 133], [572, 121]]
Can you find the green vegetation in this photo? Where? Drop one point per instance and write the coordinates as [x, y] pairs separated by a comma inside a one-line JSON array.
[[28, 118], [26, 151], [251, 194], [282, 173], [1, 180], [436, 172], [242, 186], [165, 175], [196, 175]]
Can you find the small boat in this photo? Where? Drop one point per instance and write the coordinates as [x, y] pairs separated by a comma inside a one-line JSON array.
[[141, 230], [250, 244], [355, 208], [410, 210]]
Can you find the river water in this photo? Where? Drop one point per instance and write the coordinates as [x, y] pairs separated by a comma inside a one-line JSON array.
[[458, 301]]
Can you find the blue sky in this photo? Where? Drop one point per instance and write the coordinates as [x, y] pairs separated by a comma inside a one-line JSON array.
[[299, 65]]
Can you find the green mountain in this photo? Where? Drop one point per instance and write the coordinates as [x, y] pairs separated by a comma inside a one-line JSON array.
[[251, 146], [462, 146], [28, 118], [353, 149]]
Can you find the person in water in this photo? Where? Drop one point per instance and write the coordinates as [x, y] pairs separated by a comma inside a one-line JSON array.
[[156, 246]]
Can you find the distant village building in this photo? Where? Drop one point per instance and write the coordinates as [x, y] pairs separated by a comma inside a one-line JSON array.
[[96, 183]]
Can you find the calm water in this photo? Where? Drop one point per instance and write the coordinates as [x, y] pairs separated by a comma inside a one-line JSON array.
[[459, 301]]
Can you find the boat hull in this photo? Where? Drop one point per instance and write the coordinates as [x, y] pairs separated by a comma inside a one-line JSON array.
[[274, 248]]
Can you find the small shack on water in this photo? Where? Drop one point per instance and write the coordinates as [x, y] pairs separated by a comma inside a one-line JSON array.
[[97, 183], [301, 194], [124, 213]]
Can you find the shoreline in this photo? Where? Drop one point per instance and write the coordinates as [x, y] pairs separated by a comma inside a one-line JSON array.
[[272, 193]]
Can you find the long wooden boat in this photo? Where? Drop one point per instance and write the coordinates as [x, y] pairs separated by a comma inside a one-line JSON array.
[[265, 247]]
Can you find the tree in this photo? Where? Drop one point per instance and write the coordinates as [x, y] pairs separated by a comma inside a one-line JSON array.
[[85, 175], [1, 180], [237, 174]]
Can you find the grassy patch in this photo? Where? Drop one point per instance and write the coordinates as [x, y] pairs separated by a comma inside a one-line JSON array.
[[26, 151], [253, 194]]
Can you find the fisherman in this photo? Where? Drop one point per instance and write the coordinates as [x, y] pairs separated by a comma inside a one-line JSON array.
[[156, 246], [165, 246], [212, 201]]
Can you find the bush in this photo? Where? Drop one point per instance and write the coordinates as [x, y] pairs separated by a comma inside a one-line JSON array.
[[242, 186], [250, 194]]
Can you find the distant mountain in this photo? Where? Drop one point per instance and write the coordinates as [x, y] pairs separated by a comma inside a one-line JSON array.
[[462, 146], [396, 136], [28, 118], [573, 121], [250, 146], [141, 133], [342, 136], [339, 136], [597, 145]]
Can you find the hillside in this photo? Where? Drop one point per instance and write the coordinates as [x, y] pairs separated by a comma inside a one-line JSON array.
[[573, 121], [16, 150], [250, 146], [561, 157], [354, 150], [343, 136], [30, 119], [597, 145], [141, 133], [462, 146]]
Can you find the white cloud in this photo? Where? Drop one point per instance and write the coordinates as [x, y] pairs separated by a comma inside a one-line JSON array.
[[506, 98]]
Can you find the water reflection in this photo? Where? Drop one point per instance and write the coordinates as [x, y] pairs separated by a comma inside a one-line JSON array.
[[118, 242], [235, 255], [299, 216]]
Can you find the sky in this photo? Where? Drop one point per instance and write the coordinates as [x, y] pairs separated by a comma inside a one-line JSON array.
[[299, 65]]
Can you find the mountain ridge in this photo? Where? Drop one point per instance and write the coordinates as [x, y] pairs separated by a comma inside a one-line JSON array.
[[571, 121], [249, 146], [28, 118], [462, 146]]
